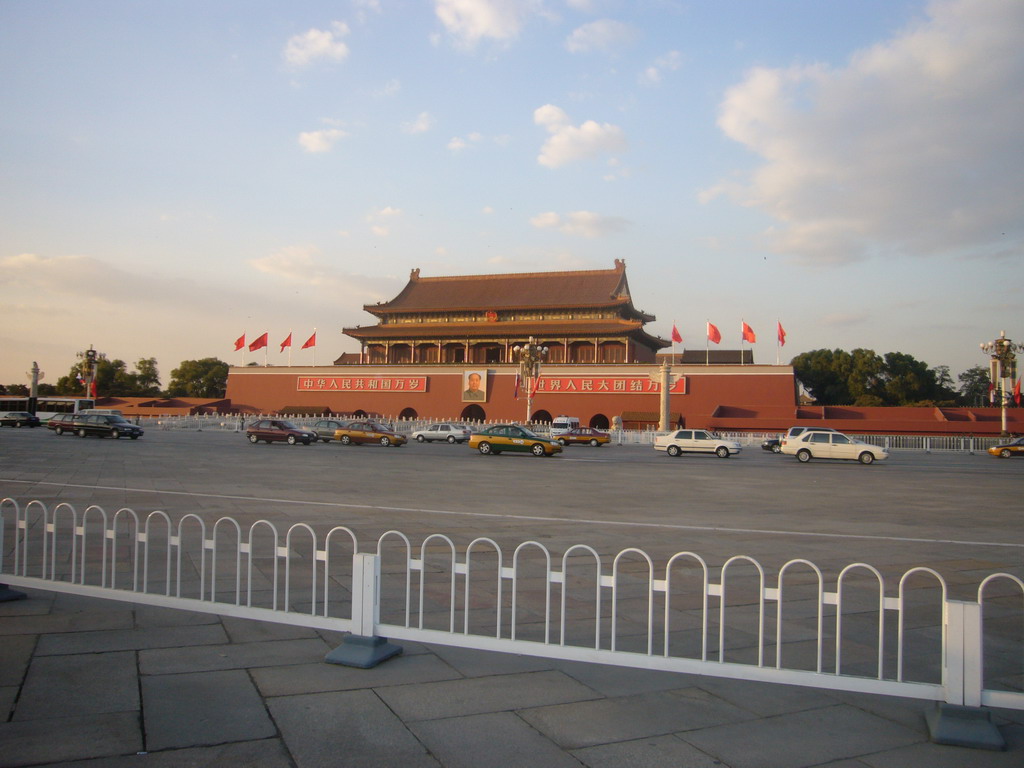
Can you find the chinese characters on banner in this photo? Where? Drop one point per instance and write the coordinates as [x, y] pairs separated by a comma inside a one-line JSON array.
[[605, 385], [362, 384]]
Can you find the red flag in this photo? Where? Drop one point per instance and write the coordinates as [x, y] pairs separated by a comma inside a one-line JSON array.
[[676, 336], [310, 342], [287, 342], [1016, 392], [239, 342], [515, 391], [714, 334], [748, 334], [260, 343], [93, 388], [782, 336]]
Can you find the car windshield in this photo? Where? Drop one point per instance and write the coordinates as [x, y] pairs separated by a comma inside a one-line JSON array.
[[526, 433], [285, 425]]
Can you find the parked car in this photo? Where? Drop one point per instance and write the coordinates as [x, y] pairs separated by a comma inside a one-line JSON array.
[[833, 445], [360, 432], [584, 436], [61, 423], [18, 419], [512, 437], [1006, 450], [278, 431], [453, 433], [773, 444], [102, 425], [695, 441], [326, 428]]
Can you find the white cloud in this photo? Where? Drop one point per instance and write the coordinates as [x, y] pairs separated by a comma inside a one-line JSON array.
[[580, 223], [316, 44], [470, 21], [670, 62], [322, 140], [390, 88], [423, 123], [604, 35], [912, 147], [458, 143], [569, 143], [380, 219]]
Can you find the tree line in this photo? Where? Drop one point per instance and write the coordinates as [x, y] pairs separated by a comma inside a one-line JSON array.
[[192, 378], [864, 378]]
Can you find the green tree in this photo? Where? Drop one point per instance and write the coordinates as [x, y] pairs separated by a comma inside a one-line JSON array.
[[199, 378], [863, 378], [113, 379], [20, 390], [974, 384]]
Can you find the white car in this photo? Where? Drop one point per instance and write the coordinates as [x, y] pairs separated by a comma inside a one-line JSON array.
[[695, 441], [833, 445], [453, 433]]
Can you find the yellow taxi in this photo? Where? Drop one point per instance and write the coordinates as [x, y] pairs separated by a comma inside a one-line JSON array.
[[1006, 450], [512, 437], [360, 432], [584, 436]]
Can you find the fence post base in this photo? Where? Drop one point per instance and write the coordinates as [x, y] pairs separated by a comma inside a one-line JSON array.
[[963, 727], [363, 652], [7, 594]]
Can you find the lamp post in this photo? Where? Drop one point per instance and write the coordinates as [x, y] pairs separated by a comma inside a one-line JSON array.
[[90, 358], [529, 356], [1002, 366]]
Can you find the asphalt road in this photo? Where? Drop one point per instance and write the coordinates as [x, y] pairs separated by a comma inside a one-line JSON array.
[[957, 513]]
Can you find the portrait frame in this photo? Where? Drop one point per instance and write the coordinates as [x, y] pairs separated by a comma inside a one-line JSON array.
[[474, 386]]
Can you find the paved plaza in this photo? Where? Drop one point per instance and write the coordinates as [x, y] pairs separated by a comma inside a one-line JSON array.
[[86, 681]]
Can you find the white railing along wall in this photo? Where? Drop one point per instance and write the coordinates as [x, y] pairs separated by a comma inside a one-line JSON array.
[[684, 615]]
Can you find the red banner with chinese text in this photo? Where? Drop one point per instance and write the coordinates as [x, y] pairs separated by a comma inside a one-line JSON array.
[[604, 385], [361, 384]]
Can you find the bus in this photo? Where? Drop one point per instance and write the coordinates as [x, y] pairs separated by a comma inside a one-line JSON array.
[[46, 407]]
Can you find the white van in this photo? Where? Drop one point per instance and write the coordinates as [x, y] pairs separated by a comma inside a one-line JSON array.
[[563, 424]]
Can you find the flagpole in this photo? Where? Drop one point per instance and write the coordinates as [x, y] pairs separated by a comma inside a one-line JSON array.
[[314, 350], [289, 347], [778, 347], [742, 339], [707, 343]]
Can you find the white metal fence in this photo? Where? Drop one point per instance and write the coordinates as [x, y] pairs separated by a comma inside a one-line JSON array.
[[853, 631]]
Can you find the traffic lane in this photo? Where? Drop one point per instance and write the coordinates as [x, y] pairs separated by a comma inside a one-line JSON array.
[[631, 496]]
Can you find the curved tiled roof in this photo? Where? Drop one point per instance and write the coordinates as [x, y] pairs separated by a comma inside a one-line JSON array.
[[532, 290]]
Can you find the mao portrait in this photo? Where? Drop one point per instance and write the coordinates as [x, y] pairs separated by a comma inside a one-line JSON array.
[[474, 387]]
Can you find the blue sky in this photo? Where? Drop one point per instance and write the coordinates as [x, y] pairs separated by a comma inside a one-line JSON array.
[[176, 174]]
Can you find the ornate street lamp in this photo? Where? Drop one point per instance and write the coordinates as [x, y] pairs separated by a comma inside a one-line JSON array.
[[90, 358], [529, 356], [1002, 366]]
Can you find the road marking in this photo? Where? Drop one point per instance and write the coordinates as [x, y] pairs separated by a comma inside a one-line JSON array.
[[535, 518]]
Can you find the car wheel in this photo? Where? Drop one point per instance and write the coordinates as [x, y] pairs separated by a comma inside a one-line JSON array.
[[291, 440], [1005, 453], [866, 458], [253, 439], [116, 434], [59, 430], [420, 439], [673, 450], [803, 455], [561, 442], [594, 443], [81, 433], [722, 452], [17, 424], [451, 439], [484, 448], [537, 449], [346, 440], [776, 449], [385, 441]]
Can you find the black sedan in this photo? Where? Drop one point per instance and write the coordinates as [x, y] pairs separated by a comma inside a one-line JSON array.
[[772, 444], [18, 419], [104, 425]]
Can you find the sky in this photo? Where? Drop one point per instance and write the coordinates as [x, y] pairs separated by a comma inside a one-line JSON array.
[[176, 174]]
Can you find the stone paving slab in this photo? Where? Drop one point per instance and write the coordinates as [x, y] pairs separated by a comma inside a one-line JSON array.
[[266, 753], [320, 677], [36, 742], [654, 752], [626, 718], [15, 653], [163, 661], [200, 708], [346, 728], [67, 686], [130, 639], [495, 740], [473, 696], [801, 738]]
